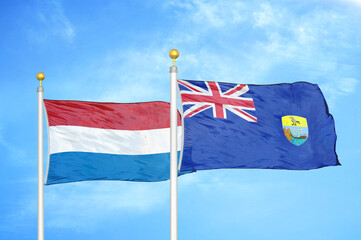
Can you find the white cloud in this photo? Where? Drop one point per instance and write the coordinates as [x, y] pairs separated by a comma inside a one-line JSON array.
[[210, 13], [338, 87], [84, 205], [356, 3], [131, 75], [53, 22], [301, 40], [135, 76], [14, 152], [267, 16]]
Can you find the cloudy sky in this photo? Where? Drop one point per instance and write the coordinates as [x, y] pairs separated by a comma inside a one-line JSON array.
[[118, 51]]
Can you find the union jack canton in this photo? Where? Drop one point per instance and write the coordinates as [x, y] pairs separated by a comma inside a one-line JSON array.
[[219, 98]]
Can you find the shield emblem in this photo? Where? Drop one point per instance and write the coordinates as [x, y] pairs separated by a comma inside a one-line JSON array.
[[295, 129]]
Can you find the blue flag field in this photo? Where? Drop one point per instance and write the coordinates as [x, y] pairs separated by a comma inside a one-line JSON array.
[[281, 126]]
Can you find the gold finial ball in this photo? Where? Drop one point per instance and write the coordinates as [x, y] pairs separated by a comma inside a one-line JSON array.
[[173, 53], [40, 76]]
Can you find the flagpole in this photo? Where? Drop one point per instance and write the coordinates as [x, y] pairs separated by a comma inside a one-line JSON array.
[[173, 148], [40, 76]]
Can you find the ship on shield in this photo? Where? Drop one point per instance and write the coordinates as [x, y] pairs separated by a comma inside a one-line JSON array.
[[295, 129]]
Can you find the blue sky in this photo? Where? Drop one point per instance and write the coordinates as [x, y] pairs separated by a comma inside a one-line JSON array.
[[118, 51]]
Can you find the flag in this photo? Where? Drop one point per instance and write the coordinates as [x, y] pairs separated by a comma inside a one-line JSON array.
[[108, 141], [280, 126]]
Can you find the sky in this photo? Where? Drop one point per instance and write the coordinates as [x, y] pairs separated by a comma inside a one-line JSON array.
[[117, 51]]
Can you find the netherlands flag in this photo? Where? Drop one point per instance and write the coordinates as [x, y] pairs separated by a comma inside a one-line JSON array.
[[108, 141]]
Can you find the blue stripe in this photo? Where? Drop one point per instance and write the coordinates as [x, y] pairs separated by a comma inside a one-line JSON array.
[[82, 166]]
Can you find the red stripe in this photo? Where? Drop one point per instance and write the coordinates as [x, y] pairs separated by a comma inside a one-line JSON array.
[[217, 100], [238, 88], [188, 86], [197, 110], [246, 114], [216, 95], [120, 116]]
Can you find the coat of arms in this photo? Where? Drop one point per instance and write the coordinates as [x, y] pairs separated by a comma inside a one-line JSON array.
[[295, 129]]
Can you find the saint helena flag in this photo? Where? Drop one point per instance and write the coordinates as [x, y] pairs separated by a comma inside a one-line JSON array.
[[108, 141], [281, 126]]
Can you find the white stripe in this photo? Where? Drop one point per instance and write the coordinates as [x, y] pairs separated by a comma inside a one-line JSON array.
[[241, 114], [185, 83], [97, 140], [238, 93], [196, 106]]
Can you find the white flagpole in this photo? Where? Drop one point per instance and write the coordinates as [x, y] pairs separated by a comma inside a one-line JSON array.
[[40, 76], [173, 148]]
